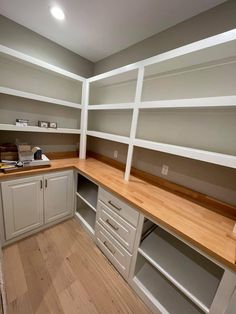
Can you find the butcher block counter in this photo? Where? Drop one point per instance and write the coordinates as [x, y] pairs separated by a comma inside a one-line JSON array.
[[205, 229]]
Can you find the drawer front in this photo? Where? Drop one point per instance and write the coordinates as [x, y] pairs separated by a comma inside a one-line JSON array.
[[117, 226], [118, 256], [119, 207]]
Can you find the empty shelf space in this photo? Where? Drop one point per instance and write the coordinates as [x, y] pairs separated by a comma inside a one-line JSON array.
[[109, 136], [118, 106], [160, 291], [87, 191], [192, 273], [18, 93], [86, 214]]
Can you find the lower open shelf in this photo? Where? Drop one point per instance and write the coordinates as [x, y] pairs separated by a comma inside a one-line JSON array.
[[164, 295], [86, 215], [196, 276]]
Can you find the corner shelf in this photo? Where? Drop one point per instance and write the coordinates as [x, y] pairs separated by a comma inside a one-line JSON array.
[[18, 93], [129, 105], [12, 127], [108, 136]]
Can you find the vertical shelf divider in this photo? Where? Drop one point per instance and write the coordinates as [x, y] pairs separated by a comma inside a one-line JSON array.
[[84, 120], [134, 122]]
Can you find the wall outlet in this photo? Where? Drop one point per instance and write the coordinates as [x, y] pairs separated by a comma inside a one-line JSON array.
[[115, 153], [164, 170]]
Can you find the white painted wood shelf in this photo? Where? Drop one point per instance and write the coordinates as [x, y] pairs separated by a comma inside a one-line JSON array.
[[194, 275], [86, 215], [129, 105], [39, 63], [12, 127], [198, 154], [18, 93], [161, 293], [109, 136]]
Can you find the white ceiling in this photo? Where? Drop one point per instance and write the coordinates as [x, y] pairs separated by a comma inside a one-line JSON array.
[[96, 29]]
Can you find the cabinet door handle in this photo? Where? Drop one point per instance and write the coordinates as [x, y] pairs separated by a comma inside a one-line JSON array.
[[111, 225], [46, 183], [41, 184], [116, 207], [109, 249]]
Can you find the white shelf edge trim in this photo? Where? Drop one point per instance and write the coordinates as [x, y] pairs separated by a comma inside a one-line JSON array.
[[129, 105], [42, 64], [18, 93], [207, 156], [12, 127], [87, 225], [221, 101], [108, 136], [154, 301], [176, 283], [86, 202], [181, 51]]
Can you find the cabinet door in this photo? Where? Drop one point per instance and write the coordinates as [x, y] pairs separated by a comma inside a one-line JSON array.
[[58, 195], [22, 205]]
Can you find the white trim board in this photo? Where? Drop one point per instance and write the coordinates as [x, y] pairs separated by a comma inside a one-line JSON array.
[[18, 93]]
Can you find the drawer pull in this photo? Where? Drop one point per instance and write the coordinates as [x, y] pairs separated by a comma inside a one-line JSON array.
[[116, 207], [109, 249], [111, 225]]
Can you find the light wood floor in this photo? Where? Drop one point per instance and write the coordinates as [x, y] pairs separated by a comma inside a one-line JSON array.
[[60, 270]]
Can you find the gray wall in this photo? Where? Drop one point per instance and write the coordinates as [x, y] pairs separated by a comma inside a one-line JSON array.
[[18, 37], [216, 181], [209, 23], [22, 39]]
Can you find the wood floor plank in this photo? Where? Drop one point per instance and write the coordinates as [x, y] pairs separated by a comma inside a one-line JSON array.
[[65, 272], [14, 273]]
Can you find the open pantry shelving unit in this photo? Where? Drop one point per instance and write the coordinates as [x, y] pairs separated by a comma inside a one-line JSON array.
[[86, 202], [173, 277], [36, 87], [168, 102]]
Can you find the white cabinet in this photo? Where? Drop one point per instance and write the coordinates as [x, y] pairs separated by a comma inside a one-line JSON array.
[[22, 205], [58, 195], [31, 202]]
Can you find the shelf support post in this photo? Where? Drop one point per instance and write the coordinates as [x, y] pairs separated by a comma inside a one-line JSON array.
[[84, 120], [134, 122]]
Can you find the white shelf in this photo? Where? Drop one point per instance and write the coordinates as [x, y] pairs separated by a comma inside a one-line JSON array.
[[18, 93], [214, 48], [86, 201], [41, 64], [12, 127], [129, 105], [161, 292], [108, 136], [222, 101], [194, 275], [211, 157], [86, 214], [85, 223]]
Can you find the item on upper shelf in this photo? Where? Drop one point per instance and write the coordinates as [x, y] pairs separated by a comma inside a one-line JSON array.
[[43, 124], [24, 147], [22, 122], [52, 125], [9, 152]]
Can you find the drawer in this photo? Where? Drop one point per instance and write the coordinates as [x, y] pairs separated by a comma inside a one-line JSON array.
[[117, 255], [117, 226], [119, 207]]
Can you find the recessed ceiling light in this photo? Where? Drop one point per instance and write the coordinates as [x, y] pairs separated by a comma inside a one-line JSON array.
[[57, 13]]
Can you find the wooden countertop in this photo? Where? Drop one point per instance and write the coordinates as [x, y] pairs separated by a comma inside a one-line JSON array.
[[205, 229]]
